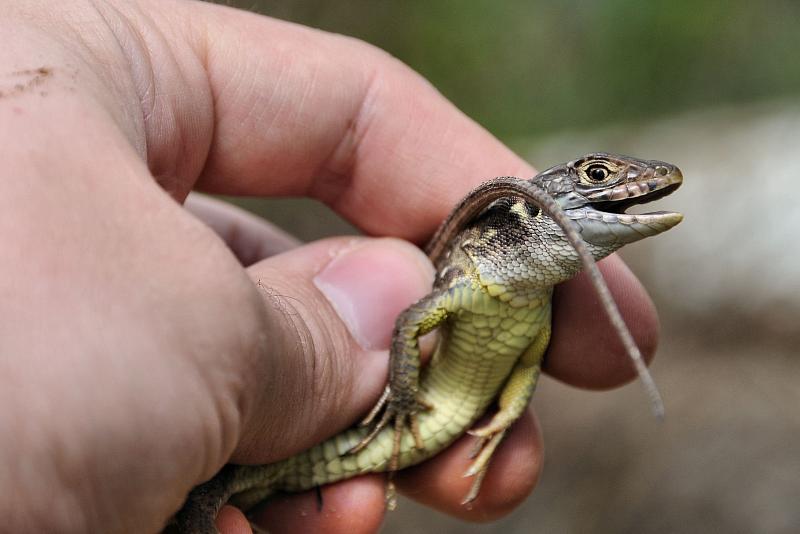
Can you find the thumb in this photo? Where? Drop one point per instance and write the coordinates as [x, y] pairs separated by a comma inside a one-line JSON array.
[[331, 307]]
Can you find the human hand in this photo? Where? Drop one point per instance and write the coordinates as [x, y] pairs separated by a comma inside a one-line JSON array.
[[138, 355]]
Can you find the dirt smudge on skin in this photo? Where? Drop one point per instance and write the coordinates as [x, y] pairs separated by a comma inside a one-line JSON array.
[[24, 81]]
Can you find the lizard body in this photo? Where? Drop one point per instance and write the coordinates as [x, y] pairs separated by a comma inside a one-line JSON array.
[[498, 257]]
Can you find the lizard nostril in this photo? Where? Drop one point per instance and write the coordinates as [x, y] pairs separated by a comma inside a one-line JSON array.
[[661, 170]]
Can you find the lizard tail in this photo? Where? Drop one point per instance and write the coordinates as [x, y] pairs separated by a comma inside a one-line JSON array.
[[243, 485], [203, 503]]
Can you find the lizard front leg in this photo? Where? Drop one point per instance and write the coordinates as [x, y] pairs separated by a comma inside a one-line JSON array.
[[513, 400], [401, 401]]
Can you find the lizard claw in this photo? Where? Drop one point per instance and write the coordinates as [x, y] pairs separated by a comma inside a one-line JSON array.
[[401, 415], [402, 418], [377, 408], [482, 452], [488, 430]]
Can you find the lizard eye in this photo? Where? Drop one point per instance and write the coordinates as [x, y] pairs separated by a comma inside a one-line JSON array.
[[597, 173]]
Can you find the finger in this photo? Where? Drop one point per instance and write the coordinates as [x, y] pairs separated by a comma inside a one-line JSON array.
[[249, 237], [514, 470], [585, 350], [302, 112], [355, 506], [331, 309], [231, 520]]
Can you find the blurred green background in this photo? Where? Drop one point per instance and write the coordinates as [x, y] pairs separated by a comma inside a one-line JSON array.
[[524, 68], [713, 86]]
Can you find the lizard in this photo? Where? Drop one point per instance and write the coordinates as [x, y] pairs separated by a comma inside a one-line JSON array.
[[497, 258]]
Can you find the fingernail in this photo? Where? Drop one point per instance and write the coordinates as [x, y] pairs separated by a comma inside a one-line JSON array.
[[370, 283]]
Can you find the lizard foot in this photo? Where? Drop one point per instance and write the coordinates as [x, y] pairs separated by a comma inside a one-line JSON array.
[[488, 440], [402, 413]]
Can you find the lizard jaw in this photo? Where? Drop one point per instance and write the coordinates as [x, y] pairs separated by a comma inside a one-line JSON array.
[[654, 182], [661, 220], [604, 222]]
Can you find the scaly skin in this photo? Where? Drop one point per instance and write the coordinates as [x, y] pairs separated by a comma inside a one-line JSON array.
[[498, 257]]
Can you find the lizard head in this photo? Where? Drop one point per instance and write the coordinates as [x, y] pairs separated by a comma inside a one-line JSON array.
[[596, 189]]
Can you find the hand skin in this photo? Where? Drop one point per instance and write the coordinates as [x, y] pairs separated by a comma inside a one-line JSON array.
[[138, 352]]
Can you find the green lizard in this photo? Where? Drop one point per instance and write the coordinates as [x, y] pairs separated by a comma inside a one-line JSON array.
[[497, 258]]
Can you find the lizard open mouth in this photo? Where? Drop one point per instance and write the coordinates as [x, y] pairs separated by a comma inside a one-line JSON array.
[[604, 221], [657, 183], [620, 206]]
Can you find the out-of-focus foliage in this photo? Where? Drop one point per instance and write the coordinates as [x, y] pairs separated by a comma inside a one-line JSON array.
[[529, 67]]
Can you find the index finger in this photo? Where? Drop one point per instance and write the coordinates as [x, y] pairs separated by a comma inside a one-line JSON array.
[[304, 112]]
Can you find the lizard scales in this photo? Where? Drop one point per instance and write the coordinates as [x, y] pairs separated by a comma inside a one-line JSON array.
[[498, 257]]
